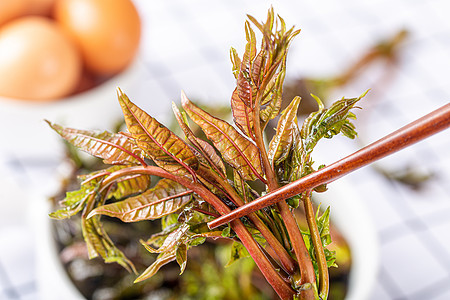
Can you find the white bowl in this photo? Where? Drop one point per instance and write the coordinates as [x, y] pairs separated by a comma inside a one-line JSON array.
[[350, 217], [53, 282], [347, 213]]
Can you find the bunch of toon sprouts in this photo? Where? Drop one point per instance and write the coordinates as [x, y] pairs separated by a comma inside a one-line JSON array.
[[185, 183]]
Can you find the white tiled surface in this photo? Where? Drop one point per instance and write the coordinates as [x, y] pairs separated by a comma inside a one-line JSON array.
[[186, 45]]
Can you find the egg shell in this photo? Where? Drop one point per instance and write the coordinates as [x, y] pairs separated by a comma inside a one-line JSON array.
[[40, 7], [11, 9], [107, 32], [38, 61]]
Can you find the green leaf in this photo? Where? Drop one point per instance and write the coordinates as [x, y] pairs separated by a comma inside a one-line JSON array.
[[165, 198], [235, 61], [236, 150], [294, 201], [281, 143], [68, 211], [165, 148], [199, 239], [238, 251], [250, 47], [329, 122], [99, 243], [323, 224], [162, 259], [111, 147], [181, 257], [226, 232], [74, 201]]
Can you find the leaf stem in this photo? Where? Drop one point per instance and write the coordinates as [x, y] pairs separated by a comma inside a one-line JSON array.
[[308, 275], [318, 247], [286, 260], [298, 244], [274, 278]]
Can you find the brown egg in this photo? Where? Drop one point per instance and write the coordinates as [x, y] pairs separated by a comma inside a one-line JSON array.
[[38, 61], [11, 9], [40, 7], [107, 32]]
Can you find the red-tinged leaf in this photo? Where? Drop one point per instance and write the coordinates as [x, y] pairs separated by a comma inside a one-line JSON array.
[[273, 100], [112, 148], [172, 241], [242, 114], [205, 209], [236, 150], [240, 186], [257, 66], [257, 24], [166, 149], [281, 143], [163, 259], [274, 86], [129, 185], [122, 187], [207, 151], [267, 26], [165, 198], [244, 88], [213, 158]]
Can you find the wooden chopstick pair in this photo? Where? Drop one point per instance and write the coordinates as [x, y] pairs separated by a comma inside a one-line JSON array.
[[416, 131]]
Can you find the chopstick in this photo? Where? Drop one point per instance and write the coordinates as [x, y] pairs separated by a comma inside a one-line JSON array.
[[416, 131]]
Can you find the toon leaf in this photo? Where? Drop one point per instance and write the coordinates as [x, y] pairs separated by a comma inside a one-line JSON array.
[[165, 198], [166, 149], [236, 150], [113, 148], [281, 143], [329, 122], [99, 243], [161, 260]]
